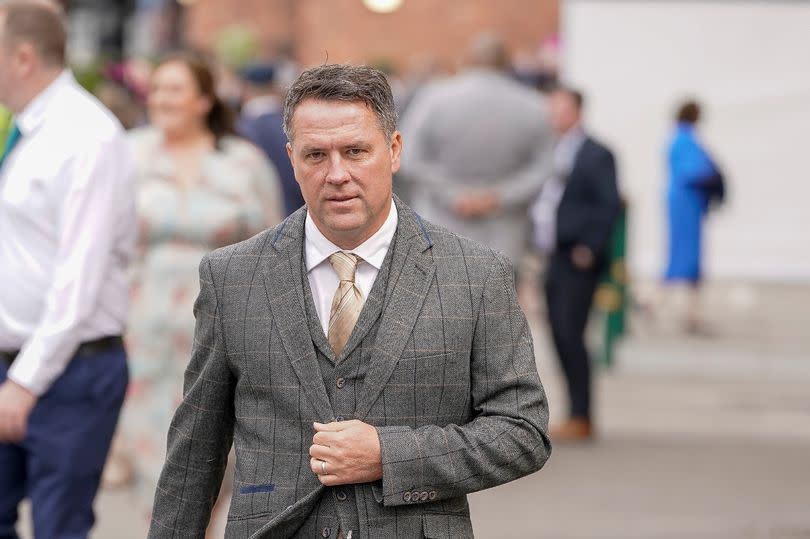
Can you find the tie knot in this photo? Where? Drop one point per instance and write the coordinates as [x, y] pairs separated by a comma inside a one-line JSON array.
[[345, 265]]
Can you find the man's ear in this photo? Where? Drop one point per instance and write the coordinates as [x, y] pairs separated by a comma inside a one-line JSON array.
[[25, 58], [292, 161], [396, 150]]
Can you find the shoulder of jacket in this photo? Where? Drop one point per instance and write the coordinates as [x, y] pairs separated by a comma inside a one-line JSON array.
[[255, 246], [452, 249]]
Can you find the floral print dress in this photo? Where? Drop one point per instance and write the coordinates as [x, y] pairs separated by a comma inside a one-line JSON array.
[[236, 196]]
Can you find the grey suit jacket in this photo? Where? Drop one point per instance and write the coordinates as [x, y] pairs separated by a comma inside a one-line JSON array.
[[451, 386], [478, 130]]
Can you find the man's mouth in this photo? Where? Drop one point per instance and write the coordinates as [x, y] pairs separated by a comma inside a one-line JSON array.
[[342, 198]]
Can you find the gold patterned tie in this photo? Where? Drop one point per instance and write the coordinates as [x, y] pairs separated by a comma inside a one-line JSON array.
[[348, 301]]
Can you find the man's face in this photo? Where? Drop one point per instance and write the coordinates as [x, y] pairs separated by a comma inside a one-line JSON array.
[[563, 112], [18, 61], [344, 166]]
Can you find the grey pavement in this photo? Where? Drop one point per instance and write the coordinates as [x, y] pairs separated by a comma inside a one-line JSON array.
[[698, 438]]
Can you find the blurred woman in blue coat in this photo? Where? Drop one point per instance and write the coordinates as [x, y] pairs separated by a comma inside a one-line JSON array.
[[694, 182]]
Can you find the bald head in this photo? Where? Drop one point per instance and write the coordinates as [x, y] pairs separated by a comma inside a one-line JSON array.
[[38, 23]]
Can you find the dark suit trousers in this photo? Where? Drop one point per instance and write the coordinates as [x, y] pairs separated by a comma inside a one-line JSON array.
[[569, 296], [58, 464]]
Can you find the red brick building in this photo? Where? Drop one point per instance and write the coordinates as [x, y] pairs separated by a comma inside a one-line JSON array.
[[346, 30]]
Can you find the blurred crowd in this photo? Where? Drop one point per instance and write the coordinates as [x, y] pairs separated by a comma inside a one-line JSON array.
[[498, 151]]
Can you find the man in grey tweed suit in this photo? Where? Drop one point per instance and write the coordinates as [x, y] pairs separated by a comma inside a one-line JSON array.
[[370, 368]]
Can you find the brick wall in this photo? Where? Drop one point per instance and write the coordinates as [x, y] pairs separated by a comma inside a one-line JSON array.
[[346, 30]]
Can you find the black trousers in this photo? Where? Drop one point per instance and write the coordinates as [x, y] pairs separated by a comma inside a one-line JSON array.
[[569, 296]]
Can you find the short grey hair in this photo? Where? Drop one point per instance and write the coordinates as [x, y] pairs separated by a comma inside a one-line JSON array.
[[341, 82]]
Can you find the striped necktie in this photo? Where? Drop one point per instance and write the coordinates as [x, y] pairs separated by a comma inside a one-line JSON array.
[[13, 137], [347, 303]]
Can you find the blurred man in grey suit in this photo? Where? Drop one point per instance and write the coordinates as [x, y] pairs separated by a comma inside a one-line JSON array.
[[370, 368], [479, 149]]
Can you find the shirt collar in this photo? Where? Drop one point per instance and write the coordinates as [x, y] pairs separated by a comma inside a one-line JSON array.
[[35, 112], [318, 248], [573, 138]]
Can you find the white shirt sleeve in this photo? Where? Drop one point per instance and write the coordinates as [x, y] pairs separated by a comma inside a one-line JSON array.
[[92, 201]]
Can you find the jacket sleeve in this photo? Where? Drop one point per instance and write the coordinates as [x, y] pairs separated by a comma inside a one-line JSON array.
[[605, 204], [521, 187], [691, 163], [421, 168], [506, 439], [201, 431]]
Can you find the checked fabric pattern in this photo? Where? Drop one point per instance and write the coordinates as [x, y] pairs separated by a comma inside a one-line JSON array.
[[440, 362]]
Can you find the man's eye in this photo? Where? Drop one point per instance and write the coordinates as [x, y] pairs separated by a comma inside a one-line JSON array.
[[356, 151], [315, 155]]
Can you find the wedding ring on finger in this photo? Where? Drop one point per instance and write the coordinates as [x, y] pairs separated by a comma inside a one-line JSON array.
[[323, 468]]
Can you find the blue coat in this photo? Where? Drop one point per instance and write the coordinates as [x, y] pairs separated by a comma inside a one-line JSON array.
[[690, 168]]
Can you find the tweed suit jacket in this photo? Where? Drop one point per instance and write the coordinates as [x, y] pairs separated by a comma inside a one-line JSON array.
[[451, 386]]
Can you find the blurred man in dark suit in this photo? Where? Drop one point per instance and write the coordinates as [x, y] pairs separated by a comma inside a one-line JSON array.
[[573, 220], [261, 122]]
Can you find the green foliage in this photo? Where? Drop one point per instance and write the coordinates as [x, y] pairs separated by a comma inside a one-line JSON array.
[[236, 46], [89, 76]]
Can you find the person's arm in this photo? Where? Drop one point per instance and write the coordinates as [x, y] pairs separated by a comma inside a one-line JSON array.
[[507, 438], [97, 192], [268, 193], [420, 166], [524, 184], [201, 431], [692, 164]]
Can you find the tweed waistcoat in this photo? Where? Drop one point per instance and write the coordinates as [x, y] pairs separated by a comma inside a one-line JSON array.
[[343, 378]]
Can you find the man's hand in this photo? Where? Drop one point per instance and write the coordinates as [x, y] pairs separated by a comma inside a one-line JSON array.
[[16, 404], [350, 451], [474, 205], [582, 257]]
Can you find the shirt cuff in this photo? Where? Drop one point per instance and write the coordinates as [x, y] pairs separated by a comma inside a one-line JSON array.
[[26, 379]]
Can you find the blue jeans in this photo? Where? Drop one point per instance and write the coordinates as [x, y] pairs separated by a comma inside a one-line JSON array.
[[58, 465]]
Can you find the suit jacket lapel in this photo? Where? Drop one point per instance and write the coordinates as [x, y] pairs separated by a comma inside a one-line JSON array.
[[578, 157], [285, 293], [411, 272], [315, 328]]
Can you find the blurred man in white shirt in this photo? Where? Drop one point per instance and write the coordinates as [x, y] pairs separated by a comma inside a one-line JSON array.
[[67, 227]]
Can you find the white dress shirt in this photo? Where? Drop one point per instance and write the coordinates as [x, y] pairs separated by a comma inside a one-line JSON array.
[[323, 281], [67, 232]]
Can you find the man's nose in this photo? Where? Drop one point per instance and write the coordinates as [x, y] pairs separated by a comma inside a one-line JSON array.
[[336, 171]]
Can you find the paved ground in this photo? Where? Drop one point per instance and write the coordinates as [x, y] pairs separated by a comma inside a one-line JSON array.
[[698, 438]]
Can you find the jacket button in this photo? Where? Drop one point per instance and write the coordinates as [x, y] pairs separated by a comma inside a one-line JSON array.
[[415, 496], [432, 495], [326, 532], [341, 496], [340, 383], [339, 418], [406, 497], [423, 496]]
